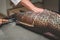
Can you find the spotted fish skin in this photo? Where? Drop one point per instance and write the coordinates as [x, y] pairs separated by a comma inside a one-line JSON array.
[[47, 20]]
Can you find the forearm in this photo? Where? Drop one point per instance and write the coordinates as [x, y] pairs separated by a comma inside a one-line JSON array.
[[30, 6]]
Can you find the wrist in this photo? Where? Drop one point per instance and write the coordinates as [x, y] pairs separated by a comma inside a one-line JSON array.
[[37, 10], [33, 8]]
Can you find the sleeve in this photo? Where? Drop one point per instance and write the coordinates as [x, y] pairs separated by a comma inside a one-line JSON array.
[[15, 1]]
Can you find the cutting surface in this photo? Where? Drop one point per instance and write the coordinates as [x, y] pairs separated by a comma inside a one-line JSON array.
[[13, 32]]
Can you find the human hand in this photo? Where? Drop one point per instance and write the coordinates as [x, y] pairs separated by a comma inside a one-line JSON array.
[[3, 21]]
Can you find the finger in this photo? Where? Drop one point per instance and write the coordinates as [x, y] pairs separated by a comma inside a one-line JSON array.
[[4, 20]]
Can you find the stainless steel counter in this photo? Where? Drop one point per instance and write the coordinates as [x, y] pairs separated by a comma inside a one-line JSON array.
[[13, 32]]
